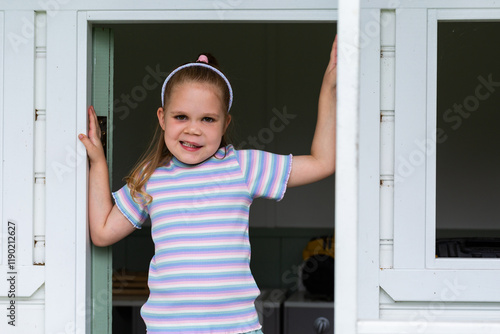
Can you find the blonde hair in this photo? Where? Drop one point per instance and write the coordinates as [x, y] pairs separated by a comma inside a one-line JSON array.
[[157, 153]]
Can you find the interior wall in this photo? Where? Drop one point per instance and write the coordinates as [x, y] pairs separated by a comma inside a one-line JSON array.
[[468, 150], [276, 72]]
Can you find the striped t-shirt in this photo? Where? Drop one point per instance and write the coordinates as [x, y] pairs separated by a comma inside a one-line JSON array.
[[199, 277]]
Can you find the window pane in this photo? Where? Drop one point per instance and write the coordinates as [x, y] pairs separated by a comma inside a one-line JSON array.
[[468, 122]]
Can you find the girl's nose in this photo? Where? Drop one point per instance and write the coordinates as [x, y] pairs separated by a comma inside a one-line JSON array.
[[193, 128]]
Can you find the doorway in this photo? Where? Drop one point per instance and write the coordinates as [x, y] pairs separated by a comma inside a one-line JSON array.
[[276, 71]]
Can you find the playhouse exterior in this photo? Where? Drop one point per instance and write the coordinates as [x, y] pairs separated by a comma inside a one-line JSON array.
[[388, 279]]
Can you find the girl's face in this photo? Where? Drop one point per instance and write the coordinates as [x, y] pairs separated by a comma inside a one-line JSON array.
[[194, 121]]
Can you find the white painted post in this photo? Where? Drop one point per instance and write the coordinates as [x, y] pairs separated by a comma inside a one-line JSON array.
[[387, 107], [347, 170], [40, 138], [2, 112], [83, 320], [66, 279]]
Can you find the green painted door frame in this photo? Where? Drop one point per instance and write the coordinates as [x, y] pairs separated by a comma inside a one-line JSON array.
[[102, 99]]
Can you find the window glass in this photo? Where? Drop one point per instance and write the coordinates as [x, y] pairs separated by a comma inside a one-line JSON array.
[[468, 130]]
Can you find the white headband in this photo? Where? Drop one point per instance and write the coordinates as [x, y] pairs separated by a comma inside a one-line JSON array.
[[202, 65]]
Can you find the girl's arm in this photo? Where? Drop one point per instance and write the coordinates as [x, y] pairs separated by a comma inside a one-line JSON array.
[[321, 163], [107, 224]]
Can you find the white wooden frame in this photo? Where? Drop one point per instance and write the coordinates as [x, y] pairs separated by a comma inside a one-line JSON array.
[[68, 97], [409, 189], [132, 5], [414, 251], [66, 230], [85, 19], [17, 157], [2, 110], [347, 212], [434, 17], [369, 169]]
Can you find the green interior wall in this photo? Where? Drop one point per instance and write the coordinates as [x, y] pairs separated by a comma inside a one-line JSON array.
[[102, 97]]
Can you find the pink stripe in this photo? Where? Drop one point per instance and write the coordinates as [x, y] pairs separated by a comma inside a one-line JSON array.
[[131, 209], [201, 216], [179, 309], [277, 181], [174, 193]]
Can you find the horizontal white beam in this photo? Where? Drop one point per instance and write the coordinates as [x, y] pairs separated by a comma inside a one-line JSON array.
[[412, 4], [214, 15], [441, 285], [54, 5], [27, 279], [469, 14], [419, 327]]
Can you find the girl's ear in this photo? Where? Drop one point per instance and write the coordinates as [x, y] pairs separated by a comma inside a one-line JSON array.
[[227, 121], [161, 117]]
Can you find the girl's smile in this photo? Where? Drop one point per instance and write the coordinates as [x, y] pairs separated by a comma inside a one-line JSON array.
[[190, 146], [194, 122]]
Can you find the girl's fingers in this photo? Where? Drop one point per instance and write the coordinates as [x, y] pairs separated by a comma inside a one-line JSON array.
[[330, 78], [90, 111], [333, 55], [85, 141], [94, 129], [334, 51], [94, 152], [92, 141]]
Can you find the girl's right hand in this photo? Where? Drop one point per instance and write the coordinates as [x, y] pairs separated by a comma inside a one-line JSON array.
[[107, 223], [92, 142]]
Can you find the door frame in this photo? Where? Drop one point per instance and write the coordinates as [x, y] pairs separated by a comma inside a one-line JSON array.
[[220, 11]]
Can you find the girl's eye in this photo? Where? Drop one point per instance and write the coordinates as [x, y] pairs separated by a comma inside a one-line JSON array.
[[208, 119], [180, 117]]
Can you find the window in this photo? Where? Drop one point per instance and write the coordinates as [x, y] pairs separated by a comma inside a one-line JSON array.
[[468, 140]]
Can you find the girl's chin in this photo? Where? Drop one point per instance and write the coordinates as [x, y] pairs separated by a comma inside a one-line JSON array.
[[191, 155], [189, 159]]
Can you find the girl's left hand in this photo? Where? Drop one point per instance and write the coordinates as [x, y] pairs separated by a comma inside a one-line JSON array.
[[330, 78]]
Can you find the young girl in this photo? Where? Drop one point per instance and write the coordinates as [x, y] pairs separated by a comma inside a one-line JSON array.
[[197, 189]]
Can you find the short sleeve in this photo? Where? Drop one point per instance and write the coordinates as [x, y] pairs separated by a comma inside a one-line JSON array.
[[266, 174], [134, 212]]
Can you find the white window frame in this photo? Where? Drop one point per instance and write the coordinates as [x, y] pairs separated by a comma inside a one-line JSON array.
[[415, 264], [434, 16]]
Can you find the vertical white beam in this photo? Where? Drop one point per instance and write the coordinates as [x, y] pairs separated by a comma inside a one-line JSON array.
[[369, 169], [387, 100], [410, 137], [63, 158], [3, 236], [40, 115], [346, 194], [17, 58], [18, 127], [83, 244], [432, 140]]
